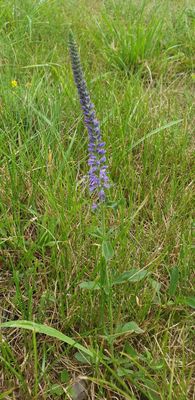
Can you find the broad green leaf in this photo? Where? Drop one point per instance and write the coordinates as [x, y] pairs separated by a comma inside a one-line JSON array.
[[56, 390], [131, 351], [113, 204], [46, 330], [64, 376], [174, 278], [157, 366], [82, 358], [129, 327], [189, 301], [155, 285], [124, 372], [96, 232], [156, 290], [90, 285], [133, 275], [107, 250]]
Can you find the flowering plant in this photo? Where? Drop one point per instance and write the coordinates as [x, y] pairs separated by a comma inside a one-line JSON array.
[[98, 178]]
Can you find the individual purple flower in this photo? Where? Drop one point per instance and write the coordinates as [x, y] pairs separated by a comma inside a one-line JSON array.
[[98, 178]]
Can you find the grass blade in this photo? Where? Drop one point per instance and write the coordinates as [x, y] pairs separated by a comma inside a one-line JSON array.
[[46, 330], [158, 130]]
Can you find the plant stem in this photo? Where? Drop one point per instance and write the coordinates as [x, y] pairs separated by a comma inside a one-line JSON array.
[[106, 284]]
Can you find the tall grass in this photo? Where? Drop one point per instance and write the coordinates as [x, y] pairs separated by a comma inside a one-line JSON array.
[[132, 338]]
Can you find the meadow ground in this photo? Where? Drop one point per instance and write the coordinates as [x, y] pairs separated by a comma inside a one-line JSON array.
[[119, 281]]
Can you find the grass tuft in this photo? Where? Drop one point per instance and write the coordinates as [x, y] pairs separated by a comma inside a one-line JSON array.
[[122, 292]]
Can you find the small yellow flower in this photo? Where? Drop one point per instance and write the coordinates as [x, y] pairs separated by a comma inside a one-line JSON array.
[[14, 83]]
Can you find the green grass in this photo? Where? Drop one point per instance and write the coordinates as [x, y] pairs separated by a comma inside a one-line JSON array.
[[138, 60]]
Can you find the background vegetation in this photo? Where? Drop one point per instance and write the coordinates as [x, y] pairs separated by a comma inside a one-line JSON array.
[[138, 60]]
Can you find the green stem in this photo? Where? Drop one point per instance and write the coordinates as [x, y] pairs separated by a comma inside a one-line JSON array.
[[36, 382], [102, 300], [110, 311], [106, 284]]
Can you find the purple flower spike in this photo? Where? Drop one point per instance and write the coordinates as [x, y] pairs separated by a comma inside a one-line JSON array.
[[98, 178]]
